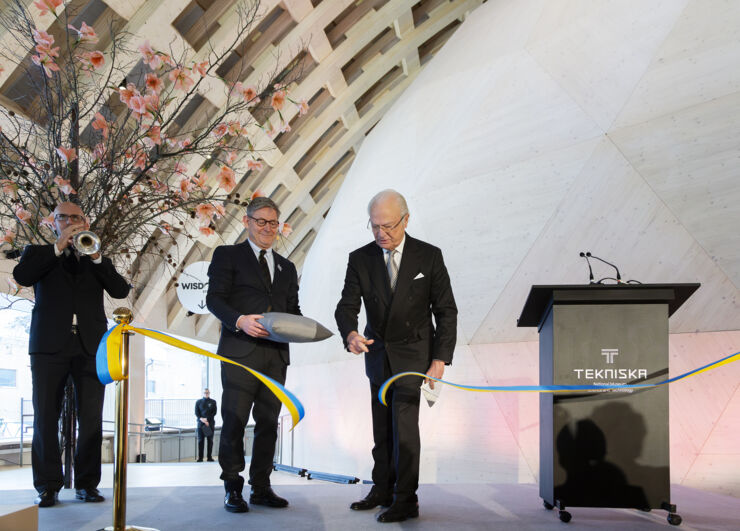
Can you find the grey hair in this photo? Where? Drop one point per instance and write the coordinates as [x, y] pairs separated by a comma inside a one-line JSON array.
[[261, 202], [389, 194]]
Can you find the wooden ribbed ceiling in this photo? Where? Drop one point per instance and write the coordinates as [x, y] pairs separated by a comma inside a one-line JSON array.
[[355, 56]]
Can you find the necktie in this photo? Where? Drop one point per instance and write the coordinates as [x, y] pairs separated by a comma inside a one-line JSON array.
[[392, 268], [264, 267]]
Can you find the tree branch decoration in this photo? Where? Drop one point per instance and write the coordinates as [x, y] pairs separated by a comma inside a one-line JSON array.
[[106, 124]]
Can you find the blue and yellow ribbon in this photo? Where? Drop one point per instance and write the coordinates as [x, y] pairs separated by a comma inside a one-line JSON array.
[[555, 388], [108, 362]]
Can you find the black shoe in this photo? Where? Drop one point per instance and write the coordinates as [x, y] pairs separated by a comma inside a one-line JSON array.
[[234, 503], [46, 498], [210, 459], [372, 500], [89, 495], [399, 512], [200, 460], [266, 496]]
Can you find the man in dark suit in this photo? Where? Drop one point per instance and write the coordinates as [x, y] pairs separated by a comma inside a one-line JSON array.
[[403, 282], [205, 411], [246, 280], [67, 323]]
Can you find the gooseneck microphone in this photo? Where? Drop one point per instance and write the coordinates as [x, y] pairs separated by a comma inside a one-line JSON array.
[[590, 271], [619, 277]]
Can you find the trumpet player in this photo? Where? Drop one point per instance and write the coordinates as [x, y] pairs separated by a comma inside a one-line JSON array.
[[67, 323]]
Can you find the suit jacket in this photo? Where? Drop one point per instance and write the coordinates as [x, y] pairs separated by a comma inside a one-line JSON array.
[[206, 408], [62, 290], [401, 322], [236, 287]]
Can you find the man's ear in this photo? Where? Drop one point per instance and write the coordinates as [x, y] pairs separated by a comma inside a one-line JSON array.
[[245, 220]]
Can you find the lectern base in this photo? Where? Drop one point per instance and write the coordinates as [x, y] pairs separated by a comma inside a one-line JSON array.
[[565, 516]]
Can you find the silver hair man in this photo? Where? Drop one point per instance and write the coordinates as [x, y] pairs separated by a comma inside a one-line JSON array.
[[389, 194]]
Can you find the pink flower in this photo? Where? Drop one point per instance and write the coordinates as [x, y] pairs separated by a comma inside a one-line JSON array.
[[272, 131], [127, 93], [255, 165], [93, 59], [185, 143], [154, 134], [207, 231], [42, 39], [181, 78], [150, 57], [48, 221], [45, 62], [285, 229], [285, 128], [250, 95], [236, 129], [165, 227], [22, 214], [100, 123], [67, 154], [140, 159], [302, 107], [45, 6], [167, 59], [180, 168], [201, 68], [186, 186], [85, 33], [64, 185], [278, 100], [154, 83], [200, 179], [9, 236], [9, 187], [226, 179], [99, 151], [257, 193], [204, 212], [230, 157], [220, 210], [220, 130]]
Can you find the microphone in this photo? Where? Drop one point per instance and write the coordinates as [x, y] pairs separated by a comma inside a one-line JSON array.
[[619, 277], [590, 271]]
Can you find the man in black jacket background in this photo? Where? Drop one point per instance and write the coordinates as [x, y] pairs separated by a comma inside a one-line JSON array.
[[67, 322], [205, 411]]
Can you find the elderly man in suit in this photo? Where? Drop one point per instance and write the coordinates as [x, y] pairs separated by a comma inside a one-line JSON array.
[[246, 280], [403, 282], [67, 323]]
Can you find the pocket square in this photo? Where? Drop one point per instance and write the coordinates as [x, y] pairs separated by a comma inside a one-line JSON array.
[[420, 275]]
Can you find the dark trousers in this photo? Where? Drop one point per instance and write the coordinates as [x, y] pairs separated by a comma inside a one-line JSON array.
[[49, 374], [244, 393], [397, 445], [201, 437]]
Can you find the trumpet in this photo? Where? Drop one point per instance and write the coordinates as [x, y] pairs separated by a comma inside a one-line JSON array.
[[86, 242]]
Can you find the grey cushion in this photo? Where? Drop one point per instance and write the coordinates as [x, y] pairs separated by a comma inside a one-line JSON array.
[[289, 328]]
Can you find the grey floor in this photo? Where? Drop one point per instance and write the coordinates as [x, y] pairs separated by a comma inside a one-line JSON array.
[[315, 505]]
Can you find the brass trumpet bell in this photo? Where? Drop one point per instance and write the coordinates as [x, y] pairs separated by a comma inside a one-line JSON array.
[[86, 242]]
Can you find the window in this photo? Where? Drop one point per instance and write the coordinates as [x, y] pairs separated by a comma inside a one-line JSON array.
[[7, 377]]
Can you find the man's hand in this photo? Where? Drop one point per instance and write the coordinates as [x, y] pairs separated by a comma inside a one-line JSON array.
[[250, 326], [204, 421], [67, 236], [357, 344], [436, 370]]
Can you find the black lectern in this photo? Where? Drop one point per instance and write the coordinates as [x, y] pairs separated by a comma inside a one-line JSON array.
[[604, 449]]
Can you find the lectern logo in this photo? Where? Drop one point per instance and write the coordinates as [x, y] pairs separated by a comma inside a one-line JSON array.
[[609, 354]]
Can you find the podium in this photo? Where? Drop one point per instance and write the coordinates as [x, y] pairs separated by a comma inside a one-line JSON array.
[[604, 449]]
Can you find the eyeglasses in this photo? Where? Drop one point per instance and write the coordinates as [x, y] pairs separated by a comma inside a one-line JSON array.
[[262, 222], [385, 228], [74, 218]]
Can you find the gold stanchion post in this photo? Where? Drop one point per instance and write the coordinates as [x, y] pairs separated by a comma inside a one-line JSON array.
[[122, 316]]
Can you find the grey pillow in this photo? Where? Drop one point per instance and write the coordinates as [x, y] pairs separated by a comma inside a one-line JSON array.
[[289, 328]]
